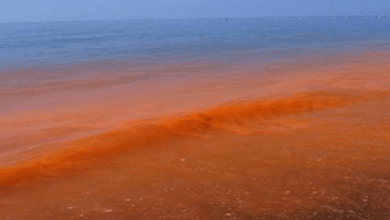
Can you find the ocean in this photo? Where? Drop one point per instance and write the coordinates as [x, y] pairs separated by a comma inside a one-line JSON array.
[[246, 118], [26, 45]]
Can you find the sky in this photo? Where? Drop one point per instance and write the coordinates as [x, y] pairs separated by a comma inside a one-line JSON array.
[[70, 10]]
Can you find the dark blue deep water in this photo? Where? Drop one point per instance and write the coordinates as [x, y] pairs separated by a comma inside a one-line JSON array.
[[24, 45]]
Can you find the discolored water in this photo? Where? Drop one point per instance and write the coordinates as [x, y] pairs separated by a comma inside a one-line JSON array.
[[277, 119]]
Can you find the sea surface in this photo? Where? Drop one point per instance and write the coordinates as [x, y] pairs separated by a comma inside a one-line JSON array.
[[250, 118], [26, 45]]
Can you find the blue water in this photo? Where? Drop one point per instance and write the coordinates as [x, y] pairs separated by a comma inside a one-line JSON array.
[[25, 45]]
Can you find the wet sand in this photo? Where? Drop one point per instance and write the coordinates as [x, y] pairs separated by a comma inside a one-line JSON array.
[[303, 139]]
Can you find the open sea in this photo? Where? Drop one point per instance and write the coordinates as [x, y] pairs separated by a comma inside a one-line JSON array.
[[26, 45], [250, 118]]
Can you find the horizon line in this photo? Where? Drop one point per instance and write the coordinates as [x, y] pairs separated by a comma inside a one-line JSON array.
[[151, 19]]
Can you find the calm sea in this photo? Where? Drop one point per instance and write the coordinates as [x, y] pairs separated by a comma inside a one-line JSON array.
[[27, 45]]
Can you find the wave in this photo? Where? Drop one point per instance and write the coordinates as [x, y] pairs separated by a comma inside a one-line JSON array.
[[87, 152]]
